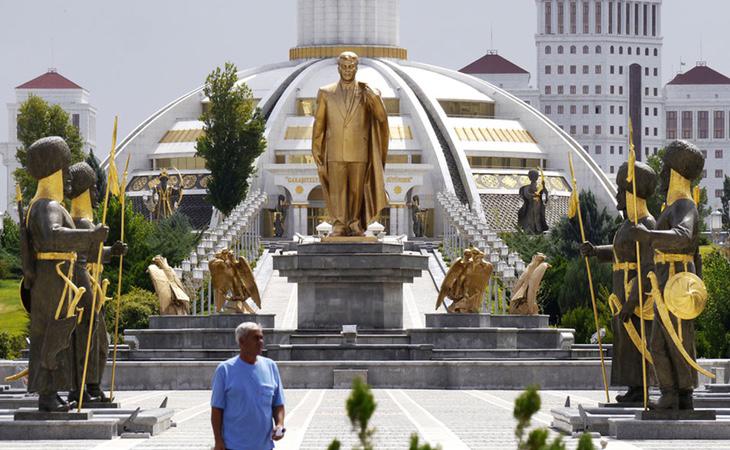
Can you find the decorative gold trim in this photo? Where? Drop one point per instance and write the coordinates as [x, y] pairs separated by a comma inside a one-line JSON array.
[[56, 256], [81, 207], [333, 51], [679, 188]]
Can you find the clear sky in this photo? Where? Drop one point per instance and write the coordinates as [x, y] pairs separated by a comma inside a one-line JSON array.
[[134, 56]]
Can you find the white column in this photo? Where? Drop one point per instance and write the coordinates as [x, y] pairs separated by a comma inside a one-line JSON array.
[[402, 226]]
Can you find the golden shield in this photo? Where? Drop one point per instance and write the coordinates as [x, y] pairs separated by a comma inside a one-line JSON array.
[[685, 295]]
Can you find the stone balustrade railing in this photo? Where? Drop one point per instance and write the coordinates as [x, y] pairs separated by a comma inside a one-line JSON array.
[[239, 232], [464, 228]]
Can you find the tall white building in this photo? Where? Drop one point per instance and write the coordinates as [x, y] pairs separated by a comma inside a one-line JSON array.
[[56, 89], [698, 109], [599, 63]]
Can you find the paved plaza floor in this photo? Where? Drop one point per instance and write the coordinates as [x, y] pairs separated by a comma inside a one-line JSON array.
[[454, 419]]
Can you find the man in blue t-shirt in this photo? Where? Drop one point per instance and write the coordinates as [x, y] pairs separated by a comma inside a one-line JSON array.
[[247, 403]]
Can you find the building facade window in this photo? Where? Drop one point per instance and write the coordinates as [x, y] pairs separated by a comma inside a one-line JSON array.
[[598, 129], [572, 130], [585, 69], [718, 154], [548, 18], [548, 89], [586, 109], [548, 50], [610, 19], [598, 90], [561, 91], [586, 18], [598, 109], [718, 193], [573, 90], [573, 17], [548, 109], [573, 50], [585, 90], [598, 149], [671, 124], [572, 109], [585, 129], [548, 70], [560, 50], [686, 124], [560, 69], [618, 16], [719, 125], [561, 109], [612, 149], [561, 18], [598, 18], [718, 173], [598, 69], [703, 124], [572, 70], [76, 120], [585, 50]]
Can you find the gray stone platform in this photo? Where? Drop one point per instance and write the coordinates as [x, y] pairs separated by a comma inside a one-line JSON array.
[[219, 321], [669, 429], [350, 283], [598, 419], [462, 320], [106, 423]]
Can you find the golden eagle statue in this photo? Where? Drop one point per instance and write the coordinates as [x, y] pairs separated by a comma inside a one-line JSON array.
[[465, 282], [233, 283]]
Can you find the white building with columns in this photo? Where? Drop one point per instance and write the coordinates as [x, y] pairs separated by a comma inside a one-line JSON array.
[[698, 109], [599, 64], [450, 132], [56, 89]]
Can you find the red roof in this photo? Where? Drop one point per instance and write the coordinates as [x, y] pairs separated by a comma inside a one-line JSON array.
[[493, 63], [700, 75], [50, 80]]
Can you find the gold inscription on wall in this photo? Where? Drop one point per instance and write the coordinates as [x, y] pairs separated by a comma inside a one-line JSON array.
[[302, 180], [398, 179]]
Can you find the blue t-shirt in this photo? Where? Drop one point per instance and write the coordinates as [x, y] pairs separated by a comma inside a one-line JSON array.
[[247, 393]]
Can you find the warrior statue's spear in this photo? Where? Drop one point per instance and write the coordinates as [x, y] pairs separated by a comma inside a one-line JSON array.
[[122, 199], [631, 178], [574, 210], [111, 178]]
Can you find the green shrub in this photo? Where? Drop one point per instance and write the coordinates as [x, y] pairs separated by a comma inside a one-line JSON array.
[[10, 265], [11, 344], [581, 319], [526, 405], [135, 310]]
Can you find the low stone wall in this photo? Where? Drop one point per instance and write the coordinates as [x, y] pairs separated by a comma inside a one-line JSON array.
[[184, 375]]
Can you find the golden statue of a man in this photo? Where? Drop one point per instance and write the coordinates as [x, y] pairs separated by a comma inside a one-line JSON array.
[[350, 146]]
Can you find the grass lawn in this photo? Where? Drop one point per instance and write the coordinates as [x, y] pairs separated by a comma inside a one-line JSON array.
[[13, 317]]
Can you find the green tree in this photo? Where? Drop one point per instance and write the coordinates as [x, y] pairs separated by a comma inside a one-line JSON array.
[[726, 203], [10, 264], [136, 233], [360, 407], [38, 119], [714, 322], [233, 137]]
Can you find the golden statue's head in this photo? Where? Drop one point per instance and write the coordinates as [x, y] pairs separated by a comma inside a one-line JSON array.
[[347, 66]]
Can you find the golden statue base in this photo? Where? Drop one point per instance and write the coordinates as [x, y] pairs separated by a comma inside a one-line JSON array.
[[348, 239]]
